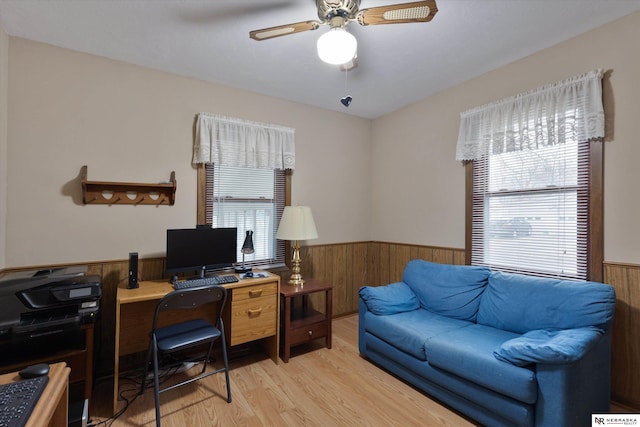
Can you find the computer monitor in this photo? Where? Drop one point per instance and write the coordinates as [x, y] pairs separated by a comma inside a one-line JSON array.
[[200, 249]]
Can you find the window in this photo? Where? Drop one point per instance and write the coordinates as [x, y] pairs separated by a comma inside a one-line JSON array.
[[249, 199], [534, 180], [531, 210]]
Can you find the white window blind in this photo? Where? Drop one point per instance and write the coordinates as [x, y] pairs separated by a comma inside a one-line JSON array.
[[249, 199], [531, 210]]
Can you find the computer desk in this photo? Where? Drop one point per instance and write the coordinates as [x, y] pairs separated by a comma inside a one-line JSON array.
[[52, 409], [252, 312]]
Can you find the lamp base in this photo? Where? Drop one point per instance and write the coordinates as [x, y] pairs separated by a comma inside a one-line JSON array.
[[241, 270], [296, 280]]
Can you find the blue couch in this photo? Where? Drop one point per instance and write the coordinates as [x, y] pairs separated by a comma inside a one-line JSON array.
[[504, 349]]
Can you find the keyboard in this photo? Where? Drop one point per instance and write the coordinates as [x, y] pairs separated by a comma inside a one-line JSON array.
[[18, 399], [204, 281]]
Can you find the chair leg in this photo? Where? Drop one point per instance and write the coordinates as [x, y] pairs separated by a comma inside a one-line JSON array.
[[143, 384], [226, 366], [156, 381], [206, 358]]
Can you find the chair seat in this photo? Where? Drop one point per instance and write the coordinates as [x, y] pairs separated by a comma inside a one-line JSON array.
[[185, 334]]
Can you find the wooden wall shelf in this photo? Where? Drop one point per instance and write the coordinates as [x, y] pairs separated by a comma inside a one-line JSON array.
[[127, 193]]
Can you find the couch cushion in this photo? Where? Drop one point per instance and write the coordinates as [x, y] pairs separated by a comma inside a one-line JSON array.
[[519, 303], [450, 290], [468, 353], [410, 330], [549, 346], [389, 299]]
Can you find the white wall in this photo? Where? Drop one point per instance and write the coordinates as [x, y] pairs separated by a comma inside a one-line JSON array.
[[418, 187], [4, 105], [392, 179], [132, 124]]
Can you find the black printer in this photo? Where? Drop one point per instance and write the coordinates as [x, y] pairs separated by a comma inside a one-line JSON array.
[[43, 302]]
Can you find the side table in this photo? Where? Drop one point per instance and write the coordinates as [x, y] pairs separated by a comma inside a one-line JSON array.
[[303, 324]]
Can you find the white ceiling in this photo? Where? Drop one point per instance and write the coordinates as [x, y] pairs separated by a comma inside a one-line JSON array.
[[397, 64]]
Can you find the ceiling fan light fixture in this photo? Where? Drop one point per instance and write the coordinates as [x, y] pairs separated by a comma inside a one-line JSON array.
[[337, 46]]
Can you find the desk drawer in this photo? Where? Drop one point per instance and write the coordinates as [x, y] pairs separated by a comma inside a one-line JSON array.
[[255, 291], [253, 319]]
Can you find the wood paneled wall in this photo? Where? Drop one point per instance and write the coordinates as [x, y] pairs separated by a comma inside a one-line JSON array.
[[625, 379], [352, 265]]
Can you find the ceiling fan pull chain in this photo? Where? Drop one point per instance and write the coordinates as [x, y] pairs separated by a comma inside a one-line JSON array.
[[346, 101], [346, 73]]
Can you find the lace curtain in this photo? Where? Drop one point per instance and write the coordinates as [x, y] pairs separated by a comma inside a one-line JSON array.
[[541, 117], [229, 141]]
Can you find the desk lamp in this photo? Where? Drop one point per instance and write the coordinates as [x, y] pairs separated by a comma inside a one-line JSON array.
[[247, 248], [296, 224]]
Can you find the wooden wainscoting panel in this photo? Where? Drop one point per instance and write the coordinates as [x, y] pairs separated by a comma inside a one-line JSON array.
[[359, 276], [421, 252], [625, 380], [373, 263], [343, 265], [459, 257], [384, 265], [115, 274], [399, 257], [339, 276], [388, 260], [349, 266]]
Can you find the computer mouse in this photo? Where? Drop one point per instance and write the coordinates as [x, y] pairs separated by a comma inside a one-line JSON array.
[[248, 274], [34, 371]]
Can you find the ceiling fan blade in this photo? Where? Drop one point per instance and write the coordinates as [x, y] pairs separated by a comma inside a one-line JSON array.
[[419, 11], [283, 30]]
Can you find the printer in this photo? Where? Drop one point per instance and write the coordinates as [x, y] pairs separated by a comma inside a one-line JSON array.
[[48, 301]]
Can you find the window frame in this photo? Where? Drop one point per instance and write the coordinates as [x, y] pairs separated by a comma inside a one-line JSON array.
[[595, 234], [201, 206]]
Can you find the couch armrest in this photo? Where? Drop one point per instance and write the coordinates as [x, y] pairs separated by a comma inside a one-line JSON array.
[[569, 393], [558, 346], [389, 299]]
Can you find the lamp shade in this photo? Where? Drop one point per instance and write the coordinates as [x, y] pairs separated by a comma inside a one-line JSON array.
[[297, 224], [337, 46], [247, 246]]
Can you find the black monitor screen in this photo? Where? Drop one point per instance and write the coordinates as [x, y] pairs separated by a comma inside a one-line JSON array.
[[200, 249]]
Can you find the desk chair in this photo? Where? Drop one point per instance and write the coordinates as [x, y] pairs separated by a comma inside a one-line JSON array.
[[184, 335]]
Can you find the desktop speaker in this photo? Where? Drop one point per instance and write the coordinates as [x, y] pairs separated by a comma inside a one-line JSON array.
[[133, 270]]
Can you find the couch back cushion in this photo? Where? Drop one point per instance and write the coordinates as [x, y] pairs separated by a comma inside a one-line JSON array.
[[519, 303], [450, 290]]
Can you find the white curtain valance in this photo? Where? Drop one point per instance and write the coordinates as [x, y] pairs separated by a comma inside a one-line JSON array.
[[541, 117], [235, 142]]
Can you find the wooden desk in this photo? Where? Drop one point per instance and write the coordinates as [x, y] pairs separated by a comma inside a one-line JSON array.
[[52, 409], [303, 324], [73, 347], [252, 313]]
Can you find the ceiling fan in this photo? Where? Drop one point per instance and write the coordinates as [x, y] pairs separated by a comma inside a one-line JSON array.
[[338, 46]]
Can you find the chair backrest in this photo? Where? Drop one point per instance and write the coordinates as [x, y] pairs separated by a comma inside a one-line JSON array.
[[190, 298]]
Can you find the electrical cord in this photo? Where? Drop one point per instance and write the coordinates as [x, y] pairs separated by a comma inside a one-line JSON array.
[[132, 383]]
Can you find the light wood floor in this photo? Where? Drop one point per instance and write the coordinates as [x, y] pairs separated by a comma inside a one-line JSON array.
[[318, 387]]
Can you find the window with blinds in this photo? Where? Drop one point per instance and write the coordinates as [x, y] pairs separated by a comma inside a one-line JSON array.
[[530, 210], [249, 199]]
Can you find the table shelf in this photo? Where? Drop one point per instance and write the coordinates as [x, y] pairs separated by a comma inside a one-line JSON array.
[[302, 323]]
